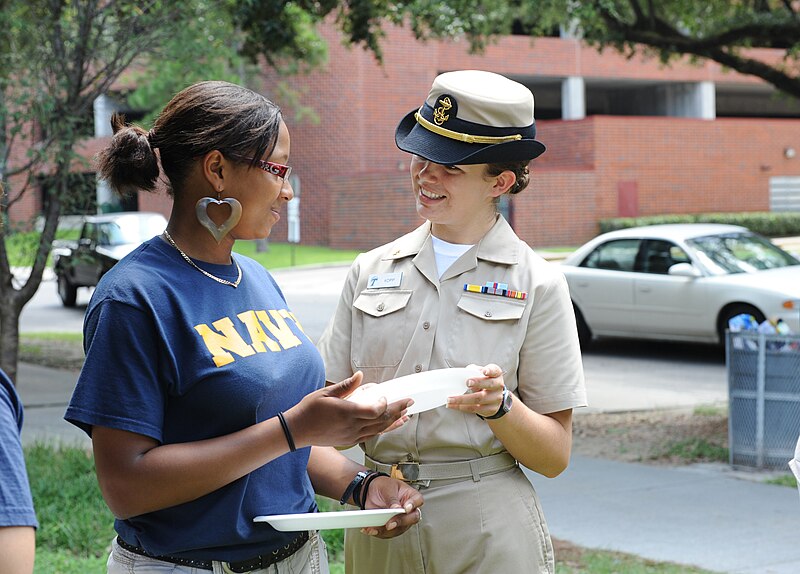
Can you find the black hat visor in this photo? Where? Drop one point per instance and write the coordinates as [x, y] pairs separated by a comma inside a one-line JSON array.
[[412, 137]]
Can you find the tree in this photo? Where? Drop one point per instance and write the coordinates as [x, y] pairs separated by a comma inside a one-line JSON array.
[[57, 57], [721, 31]]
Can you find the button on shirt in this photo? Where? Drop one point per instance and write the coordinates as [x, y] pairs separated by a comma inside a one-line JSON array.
[[429, 323]]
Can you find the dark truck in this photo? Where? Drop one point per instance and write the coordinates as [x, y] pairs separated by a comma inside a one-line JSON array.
[[104, 240]]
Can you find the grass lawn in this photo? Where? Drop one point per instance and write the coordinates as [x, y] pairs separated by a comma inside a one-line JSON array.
[[787, 479], [279, 255], [76, 527]]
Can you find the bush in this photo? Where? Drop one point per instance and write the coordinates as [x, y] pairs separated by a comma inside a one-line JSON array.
[[766, 223]]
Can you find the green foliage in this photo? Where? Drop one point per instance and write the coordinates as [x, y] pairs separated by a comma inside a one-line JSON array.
[[23, 247], [284, 33], [205, 47], [72, 515], [65, 562], [696, 449], [334, 539], [604, 562], [281, 255], [55, 336], [770, 224], [710, 410], [783, 480]]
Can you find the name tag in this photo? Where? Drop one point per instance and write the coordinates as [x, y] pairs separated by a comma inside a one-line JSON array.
[[384, 280]]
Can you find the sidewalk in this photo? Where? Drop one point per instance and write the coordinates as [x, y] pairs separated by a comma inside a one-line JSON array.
[[698, 515], [702, 515], [45, 393]]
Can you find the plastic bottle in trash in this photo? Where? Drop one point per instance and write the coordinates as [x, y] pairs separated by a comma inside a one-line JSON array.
[[782, 328]]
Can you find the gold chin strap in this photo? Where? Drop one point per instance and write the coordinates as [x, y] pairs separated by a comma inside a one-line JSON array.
[[468, 138]]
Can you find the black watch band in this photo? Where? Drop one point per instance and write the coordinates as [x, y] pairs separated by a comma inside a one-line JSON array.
[[505, 406]]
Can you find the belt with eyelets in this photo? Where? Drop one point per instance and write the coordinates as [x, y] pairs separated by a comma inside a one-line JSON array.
[[255, 563]]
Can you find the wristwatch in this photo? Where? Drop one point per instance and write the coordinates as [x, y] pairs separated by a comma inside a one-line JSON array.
[[505, 406]]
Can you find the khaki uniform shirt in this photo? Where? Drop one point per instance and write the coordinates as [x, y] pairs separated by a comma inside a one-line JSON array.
[[427, 323]]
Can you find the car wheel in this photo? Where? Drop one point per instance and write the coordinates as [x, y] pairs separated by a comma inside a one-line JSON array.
[[67, 291], [730, 312], [584, 332]]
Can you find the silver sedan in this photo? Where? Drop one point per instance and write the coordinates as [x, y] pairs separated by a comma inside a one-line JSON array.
[[680, 282]]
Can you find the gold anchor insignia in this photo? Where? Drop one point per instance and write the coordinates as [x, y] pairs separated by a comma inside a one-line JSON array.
[[439, 114]]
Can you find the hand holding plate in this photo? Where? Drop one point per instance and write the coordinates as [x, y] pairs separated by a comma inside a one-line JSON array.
[[485, 392], [386, 492]]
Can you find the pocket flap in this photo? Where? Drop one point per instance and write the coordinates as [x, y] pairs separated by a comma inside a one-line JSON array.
[[490, 307], [382, 302]]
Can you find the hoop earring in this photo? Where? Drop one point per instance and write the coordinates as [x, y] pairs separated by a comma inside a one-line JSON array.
[[218, 231]]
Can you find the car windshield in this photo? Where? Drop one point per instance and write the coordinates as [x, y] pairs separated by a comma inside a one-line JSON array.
[[739, 253], [127, 230]]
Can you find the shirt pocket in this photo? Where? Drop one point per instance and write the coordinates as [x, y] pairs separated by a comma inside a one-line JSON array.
[[381, 328], [486, 329]]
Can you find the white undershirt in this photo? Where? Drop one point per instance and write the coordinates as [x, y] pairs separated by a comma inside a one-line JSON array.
[[447, 253]]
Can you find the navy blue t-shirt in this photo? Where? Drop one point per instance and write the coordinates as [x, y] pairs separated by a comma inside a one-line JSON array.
[[176, 356], [16, 505]]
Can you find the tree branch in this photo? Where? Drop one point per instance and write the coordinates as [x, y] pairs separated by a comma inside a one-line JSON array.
[[663, 37]]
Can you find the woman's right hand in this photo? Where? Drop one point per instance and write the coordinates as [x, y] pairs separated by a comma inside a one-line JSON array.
[[324, 418]]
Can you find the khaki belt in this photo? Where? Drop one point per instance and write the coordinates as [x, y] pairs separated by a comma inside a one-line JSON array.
[[474, 469]]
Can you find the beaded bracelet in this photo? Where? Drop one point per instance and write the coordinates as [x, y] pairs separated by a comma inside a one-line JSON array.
[[287, 432]]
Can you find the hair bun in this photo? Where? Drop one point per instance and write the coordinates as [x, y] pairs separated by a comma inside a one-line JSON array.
[[129, 162]]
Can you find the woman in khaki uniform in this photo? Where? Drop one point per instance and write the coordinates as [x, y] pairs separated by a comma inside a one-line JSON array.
[[464, 289]]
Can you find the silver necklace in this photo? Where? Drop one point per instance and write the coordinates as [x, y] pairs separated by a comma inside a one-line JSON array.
[[233, 284]]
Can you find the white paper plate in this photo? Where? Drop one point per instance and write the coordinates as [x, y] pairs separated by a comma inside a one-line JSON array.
[[328, 520], [429, 389]]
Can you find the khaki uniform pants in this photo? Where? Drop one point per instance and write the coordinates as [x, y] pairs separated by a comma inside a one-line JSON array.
[[486, 527]]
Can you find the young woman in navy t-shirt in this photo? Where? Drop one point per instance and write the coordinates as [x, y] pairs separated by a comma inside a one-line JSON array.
[[204, 399]]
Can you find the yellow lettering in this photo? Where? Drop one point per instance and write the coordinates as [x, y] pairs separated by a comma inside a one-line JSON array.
[[289, 315], [279, 329], [258, 337], [227, 339]]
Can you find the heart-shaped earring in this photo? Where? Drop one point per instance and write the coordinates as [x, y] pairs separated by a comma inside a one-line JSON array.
[[201, 209]]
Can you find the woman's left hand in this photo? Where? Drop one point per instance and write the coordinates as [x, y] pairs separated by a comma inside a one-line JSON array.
[[386, 492], [485, 394]]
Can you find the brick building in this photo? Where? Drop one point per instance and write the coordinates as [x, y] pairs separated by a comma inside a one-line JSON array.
[[624, 138]]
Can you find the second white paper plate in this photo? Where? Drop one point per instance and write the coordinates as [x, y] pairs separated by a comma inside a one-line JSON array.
[[429, 389], [328, 520]]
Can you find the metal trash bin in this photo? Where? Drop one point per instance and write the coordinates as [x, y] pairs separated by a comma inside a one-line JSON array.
[[764, 398]]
